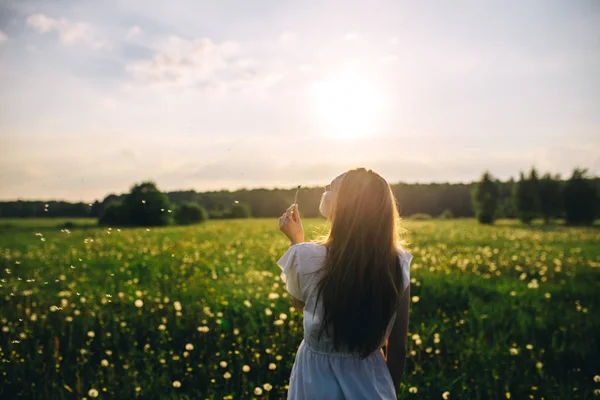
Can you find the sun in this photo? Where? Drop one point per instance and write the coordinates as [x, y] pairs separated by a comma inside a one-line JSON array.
[[347, 104]]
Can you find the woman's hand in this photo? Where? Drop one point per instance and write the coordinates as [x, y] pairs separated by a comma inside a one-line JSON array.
[[291, 225]]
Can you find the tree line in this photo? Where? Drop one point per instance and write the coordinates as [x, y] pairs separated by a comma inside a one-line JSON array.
[[488, 199], [576, 200]]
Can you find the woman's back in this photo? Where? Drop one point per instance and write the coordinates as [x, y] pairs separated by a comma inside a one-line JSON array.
[[354, 287], [302, 269]]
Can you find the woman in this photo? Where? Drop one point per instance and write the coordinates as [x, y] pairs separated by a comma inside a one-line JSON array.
[[354, 289]]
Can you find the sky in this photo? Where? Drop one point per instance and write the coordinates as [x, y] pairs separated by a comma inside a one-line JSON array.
[[98, 95]]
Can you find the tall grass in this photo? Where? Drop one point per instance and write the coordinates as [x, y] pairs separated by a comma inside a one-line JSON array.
[[200, 312]]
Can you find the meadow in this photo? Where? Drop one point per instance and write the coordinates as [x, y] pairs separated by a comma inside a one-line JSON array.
[[199, 312]]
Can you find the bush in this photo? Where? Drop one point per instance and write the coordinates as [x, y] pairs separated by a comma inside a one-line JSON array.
[[113, 215], [68, 225], [419, 217], [447, 214], [216, 214], [190, 213], [240, 210]]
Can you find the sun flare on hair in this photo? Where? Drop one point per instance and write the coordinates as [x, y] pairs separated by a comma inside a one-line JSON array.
[[348, 104]]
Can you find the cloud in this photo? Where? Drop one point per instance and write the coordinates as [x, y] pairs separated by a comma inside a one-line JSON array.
[[305, 68], [352, 37], [287, 37], [133, 32], [70, 33], [389, 59], [3, 37], [202, 63]]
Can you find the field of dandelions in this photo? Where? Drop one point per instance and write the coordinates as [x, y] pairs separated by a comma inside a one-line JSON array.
[[501, 312]]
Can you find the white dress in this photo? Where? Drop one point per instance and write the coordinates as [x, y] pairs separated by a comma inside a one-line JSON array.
[[319, 372]]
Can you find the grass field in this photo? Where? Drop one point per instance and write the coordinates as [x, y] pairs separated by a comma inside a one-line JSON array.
[[200, 313], [45, 223]]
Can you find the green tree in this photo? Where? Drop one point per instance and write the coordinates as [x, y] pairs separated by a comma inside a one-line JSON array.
[[114, 215], [550, 197], [485, 199], [145, 205], [190, 213], [240, 210], [580, 198], [527, 197]]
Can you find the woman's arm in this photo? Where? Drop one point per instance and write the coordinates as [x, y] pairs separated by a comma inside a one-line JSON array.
[[291, 225], [397, 342]]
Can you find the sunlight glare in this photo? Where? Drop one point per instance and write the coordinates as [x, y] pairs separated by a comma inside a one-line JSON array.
[[348, 104]]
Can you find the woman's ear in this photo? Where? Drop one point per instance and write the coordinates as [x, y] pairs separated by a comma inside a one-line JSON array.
[[326, 205]]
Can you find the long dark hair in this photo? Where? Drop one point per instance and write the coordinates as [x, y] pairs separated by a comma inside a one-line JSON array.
[[358, 282]]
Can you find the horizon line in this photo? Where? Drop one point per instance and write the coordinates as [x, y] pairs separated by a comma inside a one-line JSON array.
[[245, 188]]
